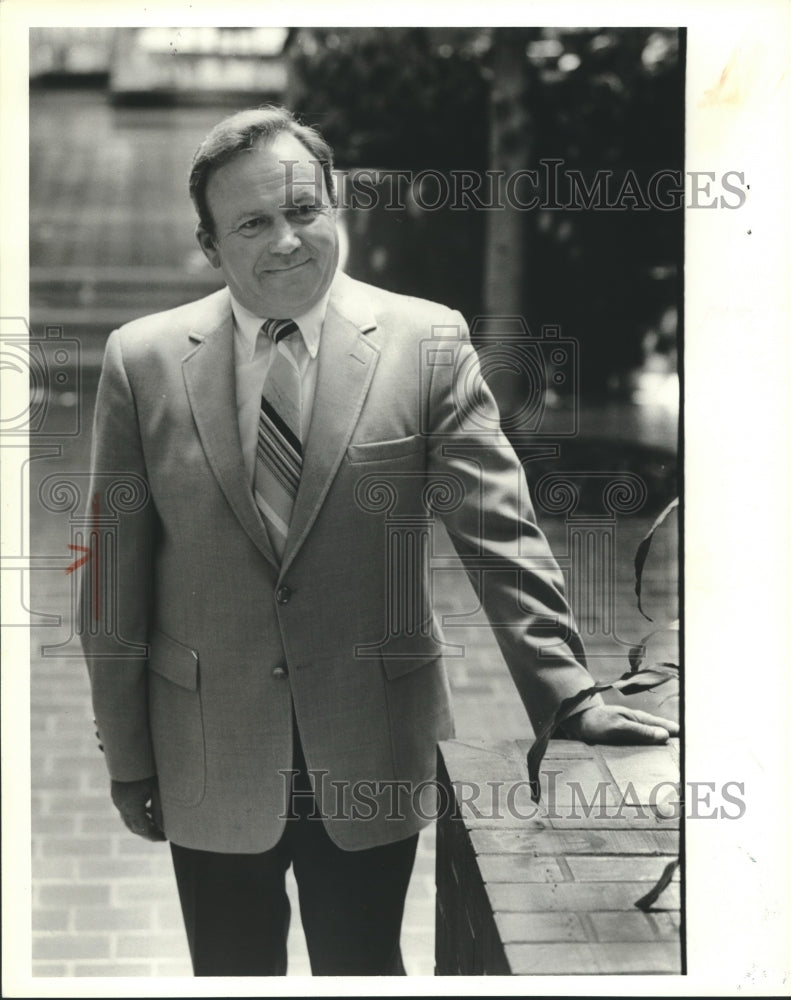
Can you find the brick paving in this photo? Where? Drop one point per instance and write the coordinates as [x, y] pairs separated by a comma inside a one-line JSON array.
[[110, 233]]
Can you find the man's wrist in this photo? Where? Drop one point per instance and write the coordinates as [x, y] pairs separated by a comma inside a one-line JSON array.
[[569, 727]]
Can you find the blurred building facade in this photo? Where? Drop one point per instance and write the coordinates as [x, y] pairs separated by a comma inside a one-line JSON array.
[[160, 65]]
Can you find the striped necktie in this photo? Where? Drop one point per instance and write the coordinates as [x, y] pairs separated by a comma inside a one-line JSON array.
[[278, 464]]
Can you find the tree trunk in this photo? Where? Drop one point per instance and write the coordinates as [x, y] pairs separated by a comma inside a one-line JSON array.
[[502, 329], [509, 152]]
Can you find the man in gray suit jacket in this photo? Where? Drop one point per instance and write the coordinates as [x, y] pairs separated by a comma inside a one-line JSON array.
[[284, 686]]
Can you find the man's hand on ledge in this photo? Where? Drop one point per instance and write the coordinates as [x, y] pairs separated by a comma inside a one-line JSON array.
[[137, 803], [619, 724]]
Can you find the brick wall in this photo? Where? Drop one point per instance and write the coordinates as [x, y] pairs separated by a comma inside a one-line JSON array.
[[550, 890]]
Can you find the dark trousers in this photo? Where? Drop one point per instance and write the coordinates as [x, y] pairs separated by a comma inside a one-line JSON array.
[[237, 914]]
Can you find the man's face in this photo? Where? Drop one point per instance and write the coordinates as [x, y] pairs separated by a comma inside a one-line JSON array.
[[274, 228]]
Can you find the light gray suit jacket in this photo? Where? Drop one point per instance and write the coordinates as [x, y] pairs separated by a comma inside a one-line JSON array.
[[224, 638]]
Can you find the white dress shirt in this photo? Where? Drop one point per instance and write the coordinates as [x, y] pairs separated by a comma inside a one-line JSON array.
[[253, 357]]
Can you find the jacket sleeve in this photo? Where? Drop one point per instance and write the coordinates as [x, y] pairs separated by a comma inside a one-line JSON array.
[[116, 584], [493, 528]]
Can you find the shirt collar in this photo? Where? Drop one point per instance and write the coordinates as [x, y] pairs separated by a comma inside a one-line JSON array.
[[248, 326]]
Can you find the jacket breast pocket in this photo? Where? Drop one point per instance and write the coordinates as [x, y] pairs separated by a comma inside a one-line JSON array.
[[381, 451], [176, 719]]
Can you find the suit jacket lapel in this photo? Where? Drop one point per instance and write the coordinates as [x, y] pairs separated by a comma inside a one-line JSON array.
[[210, 379], [347, 361]]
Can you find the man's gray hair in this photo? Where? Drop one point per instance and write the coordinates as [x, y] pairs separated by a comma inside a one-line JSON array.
[[240, 132]]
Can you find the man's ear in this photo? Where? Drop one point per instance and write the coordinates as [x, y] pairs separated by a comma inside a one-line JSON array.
[[209, 247]]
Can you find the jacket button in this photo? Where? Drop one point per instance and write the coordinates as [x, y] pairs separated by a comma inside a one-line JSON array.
[[283, 595], [280, 672]]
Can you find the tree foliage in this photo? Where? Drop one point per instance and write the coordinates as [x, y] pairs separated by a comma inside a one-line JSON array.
[[594, 98], [400, 98]]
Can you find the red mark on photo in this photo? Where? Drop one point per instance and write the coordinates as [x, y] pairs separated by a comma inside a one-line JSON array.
[[91, 553]]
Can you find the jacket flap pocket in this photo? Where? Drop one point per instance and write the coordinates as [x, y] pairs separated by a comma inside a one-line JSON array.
[[375, 451], [397, 666], [173, 661]]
